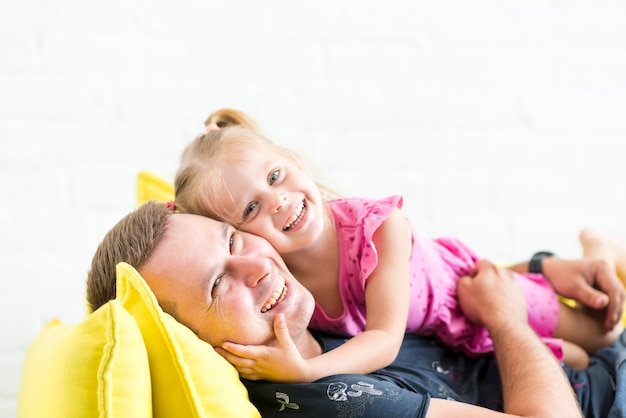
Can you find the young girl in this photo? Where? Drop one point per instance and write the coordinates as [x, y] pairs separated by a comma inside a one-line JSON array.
[[371, 275]]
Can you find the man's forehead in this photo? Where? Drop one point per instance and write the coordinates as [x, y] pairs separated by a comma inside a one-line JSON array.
[[188, 233], [187, 221], [190, 249]]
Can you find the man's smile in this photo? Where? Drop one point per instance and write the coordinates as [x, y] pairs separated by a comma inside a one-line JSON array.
[[276, 297]]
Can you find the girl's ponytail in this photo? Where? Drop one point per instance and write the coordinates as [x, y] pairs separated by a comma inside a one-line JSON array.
[[231, 117]]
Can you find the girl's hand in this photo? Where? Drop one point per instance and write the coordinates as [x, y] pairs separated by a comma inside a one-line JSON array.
[[260, 362]]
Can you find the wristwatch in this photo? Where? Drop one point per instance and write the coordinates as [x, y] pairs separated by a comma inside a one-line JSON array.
[[536, 261]]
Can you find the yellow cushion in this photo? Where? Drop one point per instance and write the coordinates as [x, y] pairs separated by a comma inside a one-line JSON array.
[[189, 379], [152, 187], [98, 368]]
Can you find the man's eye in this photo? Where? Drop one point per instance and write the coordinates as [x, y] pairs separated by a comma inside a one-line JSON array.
[[215, 284], [273, 177], [231, 242], [249, 209]]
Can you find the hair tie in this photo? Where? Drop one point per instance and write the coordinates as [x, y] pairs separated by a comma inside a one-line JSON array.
[[171, 205], [212, 127]]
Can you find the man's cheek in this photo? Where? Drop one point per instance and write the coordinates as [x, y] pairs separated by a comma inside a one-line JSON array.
[[261, 333]]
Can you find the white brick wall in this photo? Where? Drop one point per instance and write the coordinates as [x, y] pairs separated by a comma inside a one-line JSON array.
[[502, 122]]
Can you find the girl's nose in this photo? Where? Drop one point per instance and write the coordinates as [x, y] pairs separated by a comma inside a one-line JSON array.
[[281, 198]]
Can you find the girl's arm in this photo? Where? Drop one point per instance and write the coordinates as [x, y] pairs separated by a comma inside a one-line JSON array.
[[387, 303]]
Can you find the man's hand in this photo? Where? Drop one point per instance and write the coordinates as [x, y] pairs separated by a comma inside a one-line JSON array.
[[533, 382], [590, 282], [490, 296], [278, 364]]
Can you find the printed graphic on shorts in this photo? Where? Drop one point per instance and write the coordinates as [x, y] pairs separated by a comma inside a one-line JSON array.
[[283, 400], [339, 391], [353, 399]]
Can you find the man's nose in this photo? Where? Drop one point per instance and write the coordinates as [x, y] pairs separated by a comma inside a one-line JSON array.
[[279, 200], [251, 269]]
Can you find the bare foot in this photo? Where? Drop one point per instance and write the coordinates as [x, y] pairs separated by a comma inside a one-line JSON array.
[[598, 244]]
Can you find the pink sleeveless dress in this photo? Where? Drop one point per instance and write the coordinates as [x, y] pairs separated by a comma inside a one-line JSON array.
[[435, 267]]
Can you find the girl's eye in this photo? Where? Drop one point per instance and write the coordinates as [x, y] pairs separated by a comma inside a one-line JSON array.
[[249, 209], [273, 177]]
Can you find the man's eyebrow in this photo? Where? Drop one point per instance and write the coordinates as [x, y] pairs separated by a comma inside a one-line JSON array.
[[225, 230]]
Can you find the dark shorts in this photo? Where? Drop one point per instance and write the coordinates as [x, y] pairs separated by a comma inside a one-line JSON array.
[[601, 388], [423, 370]]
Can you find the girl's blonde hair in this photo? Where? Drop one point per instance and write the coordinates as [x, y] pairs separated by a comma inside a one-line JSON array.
[[199, 181]]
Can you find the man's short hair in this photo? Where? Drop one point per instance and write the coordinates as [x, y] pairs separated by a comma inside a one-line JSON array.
[[131, 240]]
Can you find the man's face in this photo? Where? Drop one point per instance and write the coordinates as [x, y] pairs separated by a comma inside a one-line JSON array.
[[224, 284]]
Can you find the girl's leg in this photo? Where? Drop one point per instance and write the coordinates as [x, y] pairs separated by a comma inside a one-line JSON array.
[[581, 327]]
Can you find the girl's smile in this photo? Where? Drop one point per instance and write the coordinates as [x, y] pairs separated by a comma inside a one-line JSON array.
[[296, 218]]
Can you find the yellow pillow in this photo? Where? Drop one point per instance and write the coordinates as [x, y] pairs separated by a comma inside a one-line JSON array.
[[152, 187], [98, 368], [189, 379]]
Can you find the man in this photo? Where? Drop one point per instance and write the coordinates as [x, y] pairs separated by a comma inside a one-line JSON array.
[[226, 285]]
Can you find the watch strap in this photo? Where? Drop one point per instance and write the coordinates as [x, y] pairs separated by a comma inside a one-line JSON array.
[[535, 265]]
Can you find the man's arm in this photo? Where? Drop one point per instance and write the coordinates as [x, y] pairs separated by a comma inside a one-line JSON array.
[[589, 281], [533, 382]]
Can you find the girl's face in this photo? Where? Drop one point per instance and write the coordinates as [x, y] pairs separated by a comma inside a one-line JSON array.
[[273, 198]]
